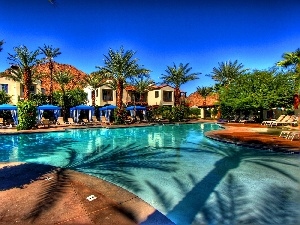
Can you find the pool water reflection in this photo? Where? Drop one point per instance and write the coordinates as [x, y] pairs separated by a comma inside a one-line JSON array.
[[175, 168]]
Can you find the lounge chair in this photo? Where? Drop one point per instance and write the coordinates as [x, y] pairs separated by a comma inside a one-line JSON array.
[[60, 121], [45, 122], [251, 119], [269, 122], [129, 120], [235, 119], [294, 135], [70, 121], [95, 120], [104, 120], [1, 122], [288, 120]]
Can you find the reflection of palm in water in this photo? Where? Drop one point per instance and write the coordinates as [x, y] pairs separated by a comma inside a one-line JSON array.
[[194, 201]]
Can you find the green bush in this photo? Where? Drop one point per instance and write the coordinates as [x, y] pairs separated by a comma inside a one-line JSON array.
[[27, 115]]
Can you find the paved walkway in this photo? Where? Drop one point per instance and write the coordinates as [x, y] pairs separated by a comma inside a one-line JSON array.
[[32, 194]]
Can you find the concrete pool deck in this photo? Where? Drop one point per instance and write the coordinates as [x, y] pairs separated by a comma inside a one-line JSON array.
[[35, 194]]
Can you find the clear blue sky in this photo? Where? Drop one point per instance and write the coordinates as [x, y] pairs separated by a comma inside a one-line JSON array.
[[202, 33]]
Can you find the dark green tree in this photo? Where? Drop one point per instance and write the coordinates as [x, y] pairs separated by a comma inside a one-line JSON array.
[[4, 97], [227, 72], [120, 66], [49, 54], [23, 67]]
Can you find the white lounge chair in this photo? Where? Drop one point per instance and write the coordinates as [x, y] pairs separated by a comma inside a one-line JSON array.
[[269, 122]]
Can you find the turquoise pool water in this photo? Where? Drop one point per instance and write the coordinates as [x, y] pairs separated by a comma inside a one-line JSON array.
[[188, 177]]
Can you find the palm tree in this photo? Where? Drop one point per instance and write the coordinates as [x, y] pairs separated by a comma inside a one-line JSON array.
[[142, 84], [227, 72], [177, 77], [63, 78], [120, 66], [50, 53], [93, 81], [22, 69], [204, 92], [290, 59]]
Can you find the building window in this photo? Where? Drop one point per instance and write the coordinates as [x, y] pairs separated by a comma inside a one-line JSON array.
[[107, 95], [167, 96], [32, 88], [4, 87], [156, 94], [97, 93]]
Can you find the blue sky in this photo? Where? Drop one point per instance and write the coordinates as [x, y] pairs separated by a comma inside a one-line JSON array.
[[162, 32]]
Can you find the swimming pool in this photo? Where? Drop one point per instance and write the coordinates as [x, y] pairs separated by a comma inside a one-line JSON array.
[[175, 168]]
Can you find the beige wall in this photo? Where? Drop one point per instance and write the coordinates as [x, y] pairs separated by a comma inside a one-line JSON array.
[[126, 98], [152, 100], [15, 89]]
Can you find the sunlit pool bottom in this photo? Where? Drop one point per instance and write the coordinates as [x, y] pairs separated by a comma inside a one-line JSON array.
[[175, 168]]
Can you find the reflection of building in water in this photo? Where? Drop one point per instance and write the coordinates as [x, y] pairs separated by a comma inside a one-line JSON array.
[[161, 139]]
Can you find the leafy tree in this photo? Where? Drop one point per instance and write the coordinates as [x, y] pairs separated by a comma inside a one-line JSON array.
[[227, 72], [4, 97], [50, 53], [292, 60], [26, 115], [119, 67], [39, 98], [258, 90], [94, 81], [22, 69], [178, 76]]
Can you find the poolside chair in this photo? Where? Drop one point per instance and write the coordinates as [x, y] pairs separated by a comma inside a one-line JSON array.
[[70, 121], [235, 119], [294, 135], [104, 120], [129, 120], [251, 119], [286, 121], [268, 122], [45, 122], [60, 121], [95, 120], [1, 121]]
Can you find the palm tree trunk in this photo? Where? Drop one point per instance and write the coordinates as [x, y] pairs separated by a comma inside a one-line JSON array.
[[176, 96], [27, 83], [119, 92], [93, 98], [195, 199], [51, 81]]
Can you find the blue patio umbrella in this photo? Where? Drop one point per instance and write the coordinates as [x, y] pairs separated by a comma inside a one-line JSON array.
[[13, 110], [56, 109], [108, 109], [75, 111]]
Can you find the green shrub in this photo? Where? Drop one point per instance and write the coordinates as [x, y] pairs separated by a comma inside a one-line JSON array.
[[27, 115]]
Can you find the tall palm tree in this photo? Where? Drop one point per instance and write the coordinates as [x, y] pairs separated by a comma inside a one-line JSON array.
[[204, 92], [22, 69], [142, 84], [227, 72], [290, 59], [50, 53], [120, 66], [93, 81], [178, 76], [63, 78]]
